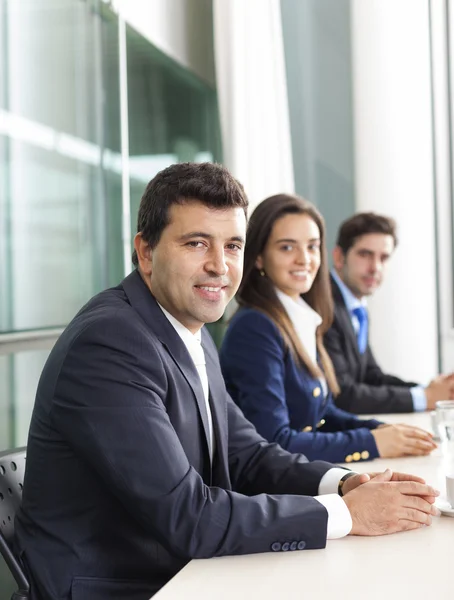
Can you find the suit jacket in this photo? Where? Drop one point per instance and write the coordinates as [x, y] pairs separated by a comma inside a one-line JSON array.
[[364, 387], [119, 490], [283, 400]]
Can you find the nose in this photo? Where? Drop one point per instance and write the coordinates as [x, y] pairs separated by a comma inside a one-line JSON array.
[[303, 256], [216, 263], [377, 265]]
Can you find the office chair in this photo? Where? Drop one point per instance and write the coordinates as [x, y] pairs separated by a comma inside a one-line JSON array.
[[12, 468]]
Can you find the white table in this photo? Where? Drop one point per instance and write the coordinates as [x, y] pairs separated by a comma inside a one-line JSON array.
[[412, 565]]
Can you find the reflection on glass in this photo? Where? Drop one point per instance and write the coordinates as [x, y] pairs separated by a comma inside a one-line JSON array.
[[172, 116], [19, 375], [59, 191]]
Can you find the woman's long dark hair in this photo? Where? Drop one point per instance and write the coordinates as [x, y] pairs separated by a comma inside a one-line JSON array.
[[259, 292]]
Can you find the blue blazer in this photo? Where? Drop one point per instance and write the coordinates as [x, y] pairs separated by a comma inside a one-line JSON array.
[[282, 399]]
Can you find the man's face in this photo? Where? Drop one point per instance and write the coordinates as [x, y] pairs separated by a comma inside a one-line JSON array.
[[197, 265], [362, 268]]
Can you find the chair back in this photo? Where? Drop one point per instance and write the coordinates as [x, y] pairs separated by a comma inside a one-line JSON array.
[[12, 470]]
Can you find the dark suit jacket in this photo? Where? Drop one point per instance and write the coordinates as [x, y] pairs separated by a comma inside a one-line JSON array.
[[283, 400], [364, 387], [119, 490]]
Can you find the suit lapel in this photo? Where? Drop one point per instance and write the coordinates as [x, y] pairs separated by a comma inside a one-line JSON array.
[[345, 318], [145, 304], [217, 404]]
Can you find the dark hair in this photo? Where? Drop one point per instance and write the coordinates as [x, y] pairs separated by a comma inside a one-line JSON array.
[[362, 224], [209, 183], [259, 292]]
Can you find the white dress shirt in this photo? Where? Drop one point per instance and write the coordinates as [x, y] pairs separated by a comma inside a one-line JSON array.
[[339, 519], [305, 321], [193, 343]]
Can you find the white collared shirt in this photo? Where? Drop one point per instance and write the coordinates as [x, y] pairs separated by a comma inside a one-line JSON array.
[[305, 321], [193, 343]]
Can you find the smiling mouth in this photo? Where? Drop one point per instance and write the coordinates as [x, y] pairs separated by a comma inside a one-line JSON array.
[[210, 288]]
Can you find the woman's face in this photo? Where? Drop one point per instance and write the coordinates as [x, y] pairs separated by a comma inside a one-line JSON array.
[[291, 258]]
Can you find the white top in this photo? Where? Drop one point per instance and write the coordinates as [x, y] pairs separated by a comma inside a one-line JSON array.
[[339, 519], [305, 321]]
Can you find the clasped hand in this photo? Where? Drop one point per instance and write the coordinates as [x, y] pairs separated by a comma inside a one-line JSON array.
[[382, 503]]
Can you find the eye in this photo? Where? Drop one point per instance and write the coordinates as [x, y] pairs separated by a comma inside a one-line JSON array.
[[287, 248], [314, 247], [195, 244], [234, 247]]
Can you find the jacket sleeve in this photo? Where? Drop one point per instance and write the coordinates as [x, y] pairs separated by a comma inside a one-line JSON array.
[[337, 419], [373, 396], [253, 364], [109, 405]]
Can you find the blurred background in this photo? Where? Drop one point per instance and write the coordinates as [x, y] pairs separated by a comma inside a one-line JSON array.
[[346, 102]]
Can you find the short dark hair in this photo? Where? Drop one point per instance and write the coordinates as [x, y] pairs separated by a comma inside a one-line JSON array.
[[209, 183], [362, 224]]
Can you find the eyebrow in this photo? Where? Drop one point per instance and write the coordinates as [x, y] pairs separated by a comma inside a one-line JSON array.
[[295, 241], [208, 236]]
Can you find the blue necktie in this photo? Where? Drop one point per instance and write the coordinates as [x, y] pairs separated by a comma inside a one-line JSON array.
[[361, 314]]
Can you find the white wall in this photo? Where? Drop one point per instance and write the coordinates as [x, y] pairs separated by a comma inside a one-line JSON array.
[[183, 29], [394, 174]]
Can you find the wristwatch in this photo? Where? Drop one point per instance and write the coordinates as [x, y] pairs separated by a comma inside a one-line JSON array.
[[343, 480]]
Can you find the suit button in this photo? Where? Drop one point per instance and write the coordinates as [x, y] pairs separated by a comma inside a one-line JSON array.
[[356, 456], [365, 455], [276, 547], [301, 545], [306, 429], [317, 391], [293, 545], [348, 458], [285, 547], [321, 423]]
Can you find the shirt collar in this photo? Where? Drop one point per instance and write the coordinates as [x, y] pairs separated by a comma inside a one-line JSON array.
[[351, 301], [298, 307], [187, 336]]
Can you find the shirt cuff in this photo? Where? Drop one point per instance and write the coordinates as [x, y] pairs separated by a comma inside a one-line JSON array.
[[339, 519], [329, 483], [418, 396]]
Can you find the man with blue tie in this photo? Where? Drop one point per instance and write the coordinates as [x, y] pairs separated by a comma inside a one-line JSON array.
[[364, 245]]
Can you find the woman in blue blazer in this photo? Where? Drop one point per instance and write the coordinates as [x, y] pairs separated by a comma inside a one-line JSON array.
[[272, 357]]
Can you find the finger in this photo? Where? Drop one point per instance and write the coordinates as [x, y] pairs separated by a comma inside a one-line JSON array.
[[411, 450], [419, 444], [430, 499], [416, 432], [417, 516], [413, 488], [408, 525], [418, 503], [385, 476], [406, 477]]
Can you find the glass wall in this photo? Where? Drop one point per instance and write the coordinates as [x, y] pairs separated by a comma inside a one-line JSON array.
[[62, 217]]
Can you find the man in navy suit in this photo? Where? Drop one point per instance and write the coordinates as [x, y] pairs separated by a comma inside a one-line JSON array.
[[138, 460], [365, 243]]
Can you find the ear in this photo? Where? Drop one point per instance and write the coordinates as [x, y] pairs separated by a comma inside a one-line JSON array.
[[338, 258], [259, 262], [144, 254]]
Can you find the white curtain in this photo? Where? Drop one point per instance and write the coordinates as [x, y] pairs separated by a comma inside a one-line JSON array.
[[252, 92]]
